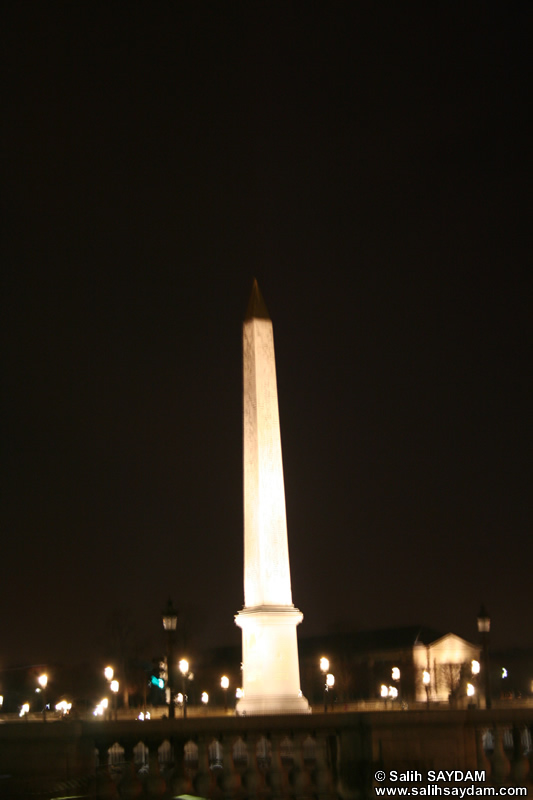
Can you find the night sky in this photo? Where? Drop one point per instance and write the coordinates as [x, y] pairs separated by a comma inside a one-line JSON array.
[[370, 165]]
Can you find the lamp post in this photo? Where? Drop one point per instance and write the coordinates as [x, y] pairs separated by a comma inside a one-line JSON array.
[[483, 626], [114, 686], [224, 682], [330, 683], [184, 669], [426, 678], [43, 681], [396, 675], [109, 673], [324, 668], [170, 619]]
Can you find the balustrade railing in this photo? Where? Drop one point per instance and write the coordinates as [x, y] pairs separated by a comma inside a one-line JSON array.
[[305, 757]]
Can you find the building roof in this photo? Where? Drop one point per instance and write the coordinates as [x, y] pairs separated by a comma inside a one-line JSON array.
[[373, 640]]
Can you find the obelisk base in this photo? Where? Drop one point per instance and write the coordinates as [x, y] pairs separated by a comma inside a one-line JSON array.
[[270, 670]]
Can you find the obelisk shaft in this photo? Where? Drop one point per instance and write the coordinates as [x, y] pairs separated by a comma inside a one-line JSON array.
[[267, 573], [270, 670]]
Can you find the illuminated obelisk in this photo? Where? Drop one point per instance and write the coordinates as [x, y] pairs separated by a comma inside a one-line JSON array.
[[270, 670]]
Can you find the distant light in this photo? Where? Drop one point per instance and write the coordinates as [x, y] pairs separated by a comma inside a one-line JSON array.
[[505, 674], [470, 689], [184, 666], [114, 686], [101, 707], [108, 673], [224, 681], [25, 708], [426, 678], [205, 698], [393, 692], [475, 667], [179, 697], [63, 707], [1, 699], [384, 691], [324, 664], [239, 693], [43, 680], [395, 674], [330, 680]]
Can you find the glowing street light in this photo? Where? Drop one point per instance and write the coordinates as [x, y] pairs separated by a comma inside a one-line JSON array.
[[324, 668], [114, 686], [63, 707], [470, 689], [426, 680], [384, 691], [108, 673], [43, 682], [184, 669], [224, 682]]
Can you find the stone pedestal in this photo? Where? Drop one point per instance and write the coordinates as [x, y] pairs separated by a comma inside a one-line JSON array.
[[271, 680]]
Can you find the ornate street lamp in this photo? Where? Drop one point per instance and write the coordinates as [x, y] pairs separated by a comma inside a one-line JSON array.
[[224, 682], [184, 669], [426, 680], [114, 686], [324, 669], [43, 681], [170, 619], [483, 626]]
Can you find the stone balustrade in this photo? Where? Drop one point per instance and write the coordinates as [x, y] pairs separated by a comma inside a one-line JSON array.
[[301, 757]]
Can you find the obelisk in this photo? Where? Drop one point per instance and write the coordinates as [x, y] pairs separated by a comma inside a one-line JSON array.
[[270, 670]]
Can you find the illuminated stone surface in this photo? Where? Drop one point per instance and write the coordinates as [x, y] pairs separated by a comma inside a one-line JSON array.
[[271, 677]]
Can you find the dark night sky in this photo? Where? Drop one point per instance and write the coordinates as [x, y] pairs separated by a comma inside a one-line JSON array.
[[370, 164]]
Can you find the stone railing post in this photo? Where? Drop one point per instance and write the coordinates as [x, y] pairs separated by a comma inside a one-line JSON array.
[[230, 777], [519, 764], [482, 762], [354, 763], [155, 783], [251, 777], [202, 780], [130, 785], [321, 775], [276, 772], [299, 780], [103, 786], [181, 782], [500, 763]]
